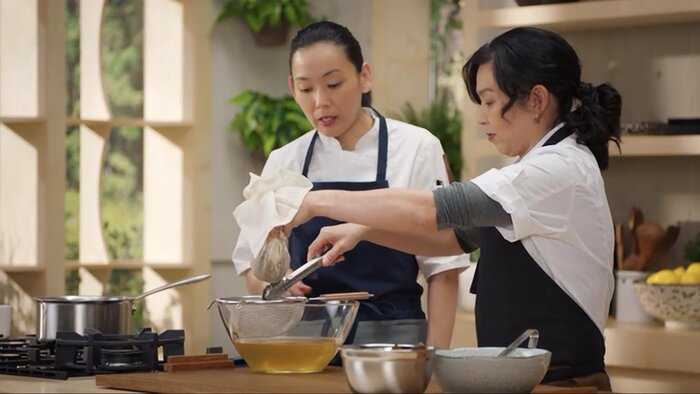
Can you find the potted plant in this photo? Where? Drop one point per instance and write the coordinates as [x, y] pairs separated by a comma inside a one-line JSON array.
[[268, 20], [443, 120], [266, 123]]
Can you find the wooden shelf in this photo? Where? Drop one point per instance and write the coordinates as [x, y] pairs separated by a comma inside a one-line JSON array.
[[127, 122], [593, 14], [637, 146], [125, 264], [20, 268], [21, 120], [658, 145]]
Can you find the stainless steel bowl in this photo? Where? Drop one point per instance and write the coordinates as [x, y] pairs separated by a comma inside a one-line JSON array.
[[388, 368]]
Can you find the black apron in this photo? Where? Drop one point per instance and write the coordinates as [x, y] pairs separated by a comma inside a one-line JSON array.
[[515, 294], [387, 273]]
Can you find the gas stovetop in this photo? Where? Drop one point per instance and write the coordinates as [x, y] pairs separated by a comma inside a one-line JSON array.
[[72, 354]]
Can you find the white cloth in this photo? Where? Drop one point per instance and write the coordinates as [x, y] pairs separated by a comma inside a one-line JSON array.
[[415, 160], [556, 197], [271, 200]]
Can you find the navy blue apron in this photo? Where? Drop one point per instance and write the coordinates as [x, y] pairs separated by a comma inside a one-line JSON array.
[[514, 294], [387, 273]]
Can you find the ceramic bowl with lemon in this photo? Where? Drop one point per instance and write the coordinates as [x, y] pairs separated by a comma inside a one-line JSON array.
[[673, 296]]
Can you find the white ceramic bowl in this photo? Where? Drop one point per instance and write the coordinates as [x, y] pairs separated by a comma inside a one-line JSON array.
[[677, 305], [478, 370]]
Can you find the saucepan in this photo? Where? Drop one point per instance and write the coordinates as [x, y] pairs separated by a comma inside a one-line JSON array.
[[109, 315]]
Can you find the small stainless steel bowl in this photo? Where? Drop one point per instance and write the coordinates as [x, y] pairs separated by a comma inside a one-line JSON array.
[[388, 368]]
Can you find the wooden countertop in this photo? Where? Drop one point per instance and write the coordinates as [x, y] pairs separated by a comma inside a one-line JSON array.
[[623, 380], [242, 380], [23, 384]]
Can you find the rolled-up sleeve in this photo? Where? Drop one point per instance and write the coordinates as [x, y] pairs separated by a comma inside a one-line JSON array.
[[537, 193]]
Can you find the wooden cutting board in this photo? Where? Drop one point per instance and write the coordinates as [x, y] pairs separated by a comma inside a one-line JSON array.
[[242, 380]]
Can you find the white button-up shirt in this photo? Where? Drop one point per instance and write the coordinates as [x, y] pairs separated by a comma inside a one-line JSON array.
[[556, 197], [414, 160]]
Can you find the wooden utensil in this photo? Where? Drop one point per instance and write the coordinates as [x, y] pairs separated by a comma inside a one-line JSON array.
[[191, 363], [351, 296]]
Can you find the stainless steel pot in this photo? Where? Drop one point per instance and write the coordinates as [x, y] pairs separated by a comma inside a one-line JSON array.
[[109, 315]]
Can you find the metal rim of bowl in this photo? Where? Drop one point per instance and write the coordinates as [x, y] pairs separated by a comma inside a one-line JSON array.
[[441, 353], [405, 347], [256, 299], [643, 283], [387, 351]]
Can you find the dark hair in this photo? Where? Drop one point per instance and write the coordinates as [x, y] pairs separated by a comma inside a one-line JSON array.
[[326, 31], [524, 57]]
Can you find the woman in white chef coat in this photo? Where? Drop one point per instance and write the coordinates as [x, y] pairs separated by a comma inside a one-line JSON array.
[[543, 223], [353, 147]]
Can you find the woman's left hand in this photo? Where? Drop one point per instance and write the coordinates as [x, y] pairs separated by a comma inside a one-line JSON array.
[[336, 240]]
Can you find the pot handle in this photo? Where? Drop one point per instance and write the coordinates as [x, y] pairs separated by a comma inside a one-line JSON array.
[[167, 286]]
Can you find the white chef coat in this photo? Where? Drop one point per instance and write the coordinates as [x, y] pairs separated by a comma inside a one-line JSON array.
[[414, 160], [556, 197]]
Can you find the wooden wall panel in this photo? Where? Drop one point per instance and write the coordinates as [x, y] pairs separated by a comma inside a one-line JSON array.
[[20, 76], [92, 150], [93, 101], [19, 197], [163, 163], [165, 97], [400, 75]]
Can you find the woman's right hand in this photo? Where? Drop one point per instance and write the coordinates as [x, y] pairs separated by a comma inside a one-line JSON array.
[[336, 240], [299, 289]]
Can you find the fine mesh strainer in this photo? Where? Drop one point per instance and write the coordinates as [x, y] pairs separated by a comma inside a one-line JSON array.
[[252, 317]]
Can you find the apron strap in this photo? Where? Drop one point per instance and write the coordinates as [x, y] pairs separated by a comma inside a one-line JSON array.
[[559, 135], [309, 153], [382, 151], [383, 147]]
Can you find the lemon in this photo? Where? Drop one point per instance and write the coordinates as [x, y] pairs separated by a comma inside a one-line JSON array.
[[679, 272], [663, 277], [691, 278], [694, 268]]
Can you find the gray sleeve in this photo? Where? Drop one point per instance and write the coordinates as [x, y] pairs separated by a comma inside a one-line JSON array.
[[464, 204], [468, 238]]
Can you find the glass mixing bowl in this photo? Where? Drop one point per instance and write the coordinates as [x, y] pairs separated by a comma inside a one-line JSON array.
[[290, 335]]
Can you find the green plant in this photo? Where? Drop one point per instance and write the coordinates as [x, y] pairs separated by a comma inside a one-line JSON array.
[[266, 123], [692, 249], [444, 21], [443, 120], [261, 13]]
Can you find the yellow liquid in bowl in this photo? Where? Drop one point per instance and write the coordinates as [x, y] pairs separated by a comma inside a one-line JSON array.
[[286, 355]]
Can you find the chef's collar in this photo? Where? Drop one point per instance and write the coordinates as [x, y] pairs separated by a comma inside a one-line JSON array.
[[542, 140], [370, 135]]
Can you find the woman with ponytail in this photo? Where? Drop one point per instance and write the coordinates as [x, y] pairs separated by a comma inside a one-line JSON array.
[[542, 224]]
